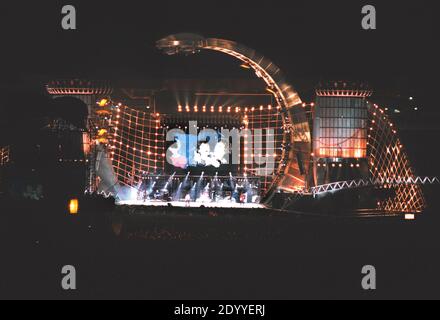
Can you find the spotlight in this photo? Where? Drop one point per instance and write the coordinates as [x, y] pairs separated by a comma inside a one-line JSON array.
[[103, 102]]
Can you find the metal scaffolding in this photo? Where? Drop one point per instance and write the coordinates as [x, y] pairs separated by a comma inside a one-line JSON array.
[[389, 160]]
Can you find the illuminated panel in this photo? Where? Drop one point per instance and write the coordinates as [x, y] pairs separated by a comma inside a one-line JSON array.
[[388, 160], [340, 128], [196, 155], [137, 146]]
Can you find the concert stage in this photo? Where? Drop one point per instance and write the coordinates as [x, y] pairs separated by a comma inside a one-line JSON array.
[[183, 204]]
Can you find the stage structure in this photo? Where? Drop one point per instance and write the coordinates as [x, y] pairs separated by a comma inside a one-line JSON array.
[[388, 160], [292, 167], [155, 158], [340, 130], [96, 95], [87, 91], [354, 143], [137, 145]]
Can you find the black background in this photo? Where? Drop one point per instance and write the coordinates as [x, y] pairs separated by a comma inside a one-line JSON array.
[[309, 40]]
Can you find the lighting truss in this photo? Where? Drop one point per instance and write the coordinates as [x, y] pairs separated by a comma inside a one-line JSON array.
[[79, 87], [361, 183]]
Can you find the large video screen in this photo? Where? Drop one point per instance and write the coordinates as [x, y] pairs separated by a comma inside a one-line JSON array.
[[189, 153]]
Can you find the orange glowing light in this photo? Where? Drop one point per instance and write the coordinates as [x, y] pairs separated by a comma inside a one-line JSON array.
[[358, 153], [103, 112], [103, 102], [74, 206]]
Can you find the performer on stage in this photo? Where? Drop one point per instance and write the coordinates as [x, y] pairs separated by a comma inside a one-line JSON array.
[[188, 200], [243, 198]]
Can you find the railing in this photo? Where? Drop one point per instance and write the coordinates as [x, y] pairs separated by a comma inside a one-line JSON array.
[[362, 183]]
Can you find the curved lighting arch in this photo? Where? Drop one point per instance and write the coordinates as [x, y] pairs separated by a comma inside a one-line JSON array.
[[265, 69]]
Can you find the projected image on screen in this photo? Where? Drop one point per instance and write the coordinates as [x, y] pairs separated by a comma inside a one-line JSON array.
[[188, 152], [206, 157]]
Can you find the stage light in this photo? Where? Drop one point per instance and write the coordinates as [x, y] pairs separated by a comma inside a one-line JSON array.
[[410, 217], [103, 102]]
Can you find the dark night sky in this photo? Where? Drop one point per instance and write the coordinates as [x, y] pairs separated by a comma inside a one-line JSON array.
[[309, 40]]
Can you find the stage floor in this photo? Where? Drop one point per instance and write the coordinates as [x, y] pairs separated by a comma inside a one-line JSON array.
[[182, 204]]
